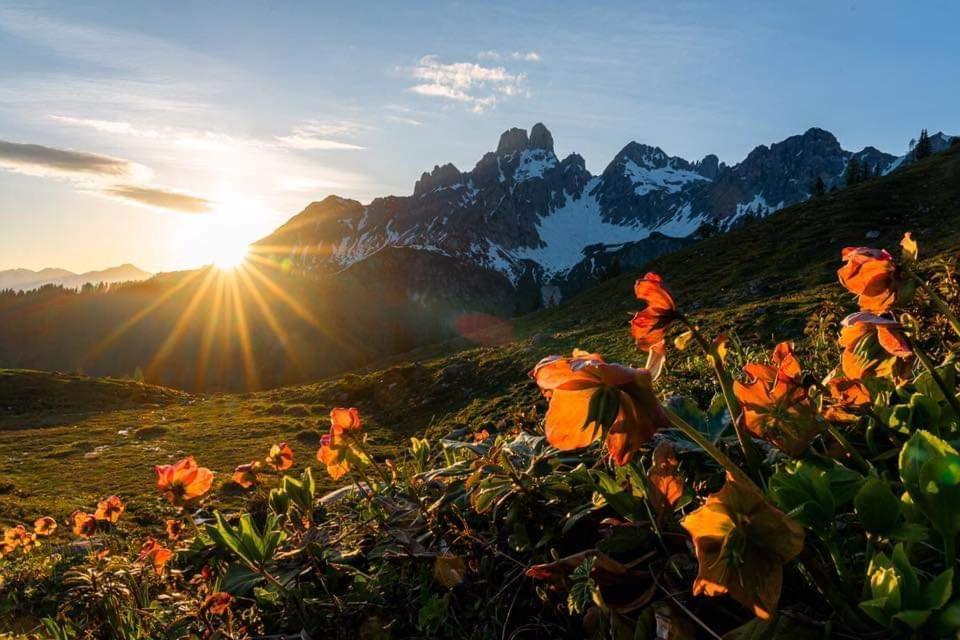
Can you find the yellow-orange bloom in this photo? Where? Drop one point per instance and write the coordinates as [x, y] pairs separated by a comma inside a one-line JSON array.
[[775, 403], [848, 398], [589, 397], [110, 509], [184, 481], [666, 483], [246, 475], [875, 346], [280, 457], [44, 526], [337, 448], [650, 323], [742, 543], [18, 536], [84, 524], [217, 604], [174, 529], [156, 554], [874, 277]]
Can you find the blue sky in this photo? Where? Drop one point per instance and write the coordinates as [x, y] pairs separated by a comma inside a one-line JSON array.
[[164, 133]]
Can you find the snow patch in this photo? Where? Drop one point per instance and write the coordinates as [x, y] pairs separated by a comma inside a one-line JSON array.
[[668, 178]]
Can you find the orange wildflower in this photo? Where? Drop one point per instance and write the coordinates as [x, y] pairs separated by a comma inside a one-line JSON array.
[[184, 481], [337, 448], [245, 475], [742, 543], [848, 398], [44, 526], [217, 604], [874, 277], [875, 346], [775, 403], [649, 324], [174, 529], [589, 397], [666, 483], [156, 554], [280, 457], [18, 536], [110, 509], [84, 524]]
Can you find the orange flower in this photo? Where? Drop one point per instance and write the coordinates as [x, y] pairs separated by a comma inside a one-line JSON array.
[[848, 398], [589, 398], [174, 529], [245, 475], [666, 483], [184, 481], [217, 604], [874, 277], [338, 449], [18, 536], [84, 524], [649, 324], [156, 554], [110, 509], [875, 346], [280, 457], [776, 406], [44, 526], [742, 543]]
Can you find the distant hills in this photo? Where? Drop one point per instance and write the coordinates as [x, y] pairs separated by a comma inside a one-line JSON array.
[[26, 279], [550, 226]]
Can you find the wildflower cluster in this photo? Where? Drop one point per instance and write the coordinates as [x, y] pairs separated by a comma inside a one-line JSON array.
[[817, 498]]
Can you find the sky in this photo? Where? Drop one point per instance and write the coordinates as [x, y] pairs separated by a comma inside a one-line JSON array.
[[163, 134]]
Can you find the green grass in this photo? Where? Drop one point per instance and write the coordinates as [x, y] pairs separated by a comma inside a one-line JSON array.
[[67, 441]]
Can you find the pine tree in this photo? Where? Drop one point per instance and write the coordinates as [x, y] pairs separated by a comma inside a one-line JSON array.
[[854, 173], [819, 188], [923, 148]]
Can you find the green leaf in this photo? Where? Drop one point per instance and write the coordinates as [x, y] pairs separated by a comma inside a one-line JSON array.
[[877, 507], [940, 486], [921, 447], [938, 592]]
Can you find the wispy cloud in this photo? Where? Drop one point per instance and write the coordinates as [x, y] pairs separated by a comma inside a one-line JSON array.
[[473, 84], [403, 120], [116, 127], [159, 198], [525, 56], [314, 135], [39, 160], [99, 174]]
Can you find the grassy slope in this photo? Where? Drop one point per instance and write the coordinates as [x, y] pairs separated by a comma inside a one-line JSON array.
[[761, 282]]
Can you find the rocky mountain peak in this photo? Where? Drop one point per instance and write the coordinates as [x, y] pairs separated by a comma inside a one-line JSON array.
[[643, 155], [540, 138], [442, 176], [516, 139], [512, 140]]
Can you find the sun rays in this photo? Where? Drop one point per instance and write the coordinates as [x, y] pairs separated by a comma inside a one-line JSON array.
[[227, 314]]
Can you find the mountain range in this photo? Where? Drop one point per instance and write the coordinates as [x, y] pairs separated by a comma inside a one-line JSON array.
[[550, 226], [26, 279]]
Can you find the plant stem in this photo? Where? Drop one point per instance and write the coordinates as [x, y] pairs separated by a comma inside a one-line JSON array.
[[750, 453], [380, 471], [932, 369], [711, 450], [862, 462], [937, 301]]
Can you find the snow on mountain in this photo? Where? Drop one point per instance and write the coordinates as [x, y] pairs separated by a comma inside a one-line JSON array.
[[537, 219]]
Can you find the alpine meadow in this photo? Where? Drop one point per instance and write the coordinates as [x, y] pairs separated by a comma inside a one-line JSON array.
[[669, 361]]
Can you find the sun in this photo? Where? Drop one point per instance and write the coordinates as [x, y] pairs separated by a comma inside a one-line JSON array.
[[229, 256]]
